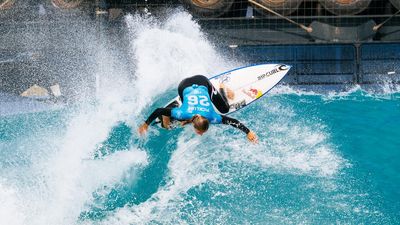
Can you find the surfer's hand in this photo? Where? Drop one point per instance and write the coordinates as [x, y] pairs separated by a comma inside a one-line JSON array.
[[252, 137], [143, 129], [183, 123]]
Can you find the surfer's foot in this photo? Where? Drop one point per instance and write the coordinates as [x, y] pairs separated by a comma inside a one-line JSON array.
[[229, 93]]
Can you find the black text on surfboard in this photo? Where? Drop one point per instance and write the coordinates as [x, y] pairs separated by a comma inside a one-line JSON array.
[[272, 72]]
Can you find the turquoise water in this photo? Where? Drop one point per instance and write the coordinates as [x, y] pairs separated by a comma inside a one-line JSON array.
[[330, 158], [323, 157]]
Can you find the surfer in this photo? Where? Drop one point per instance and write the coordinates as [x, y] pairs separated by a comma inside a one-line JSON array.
[[197, 93]]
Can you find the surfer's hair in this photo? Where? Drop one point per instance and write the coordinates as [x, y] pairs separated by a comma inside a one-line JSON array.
[[200, 123]]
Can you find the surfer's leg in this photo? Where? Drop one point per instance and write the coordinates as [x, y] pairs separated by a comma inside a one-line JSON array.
[[197, 79], [217, 97], [220, 101]]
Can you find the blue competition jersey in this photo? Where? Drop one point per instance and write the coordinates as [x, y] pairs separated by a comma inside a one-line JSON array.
[[196, 100]]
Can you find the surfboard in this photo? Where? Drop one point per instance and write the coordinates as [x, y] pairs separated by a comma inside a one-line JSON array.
[[248, 84]]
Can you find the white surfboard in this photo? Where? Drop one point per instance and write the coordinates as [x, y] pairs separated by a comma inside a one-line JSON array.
[[247, 83]]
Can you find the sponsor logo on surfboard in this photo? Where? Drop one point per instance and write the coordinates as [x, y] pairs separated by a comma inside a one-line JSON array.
[[273, 71], [252, 92]]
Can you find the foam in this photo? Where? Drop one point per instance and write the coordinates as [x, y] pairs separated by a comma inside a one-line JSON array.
[[70, 177], [163, 54], [305, 150], [166, 52], [10, 213], [289, 146], [187, 168], [384, 90], [58, 181]]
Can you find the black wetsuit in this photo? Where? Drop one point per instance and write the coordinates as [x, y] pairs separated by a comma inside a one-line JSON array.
[[217, 98]]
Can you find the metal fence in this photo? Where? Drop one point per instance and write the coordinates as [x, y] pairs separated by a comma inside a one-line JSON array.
[[344, 45], [245, 21]]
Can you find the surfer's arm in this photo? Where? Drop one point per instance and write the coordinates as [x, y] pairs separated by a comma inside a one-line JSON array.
[[235, 123], [158, 112]]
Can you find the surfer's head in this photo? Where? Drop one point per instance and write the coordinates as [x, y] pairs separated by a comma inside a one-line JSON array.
[[200, 124]]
